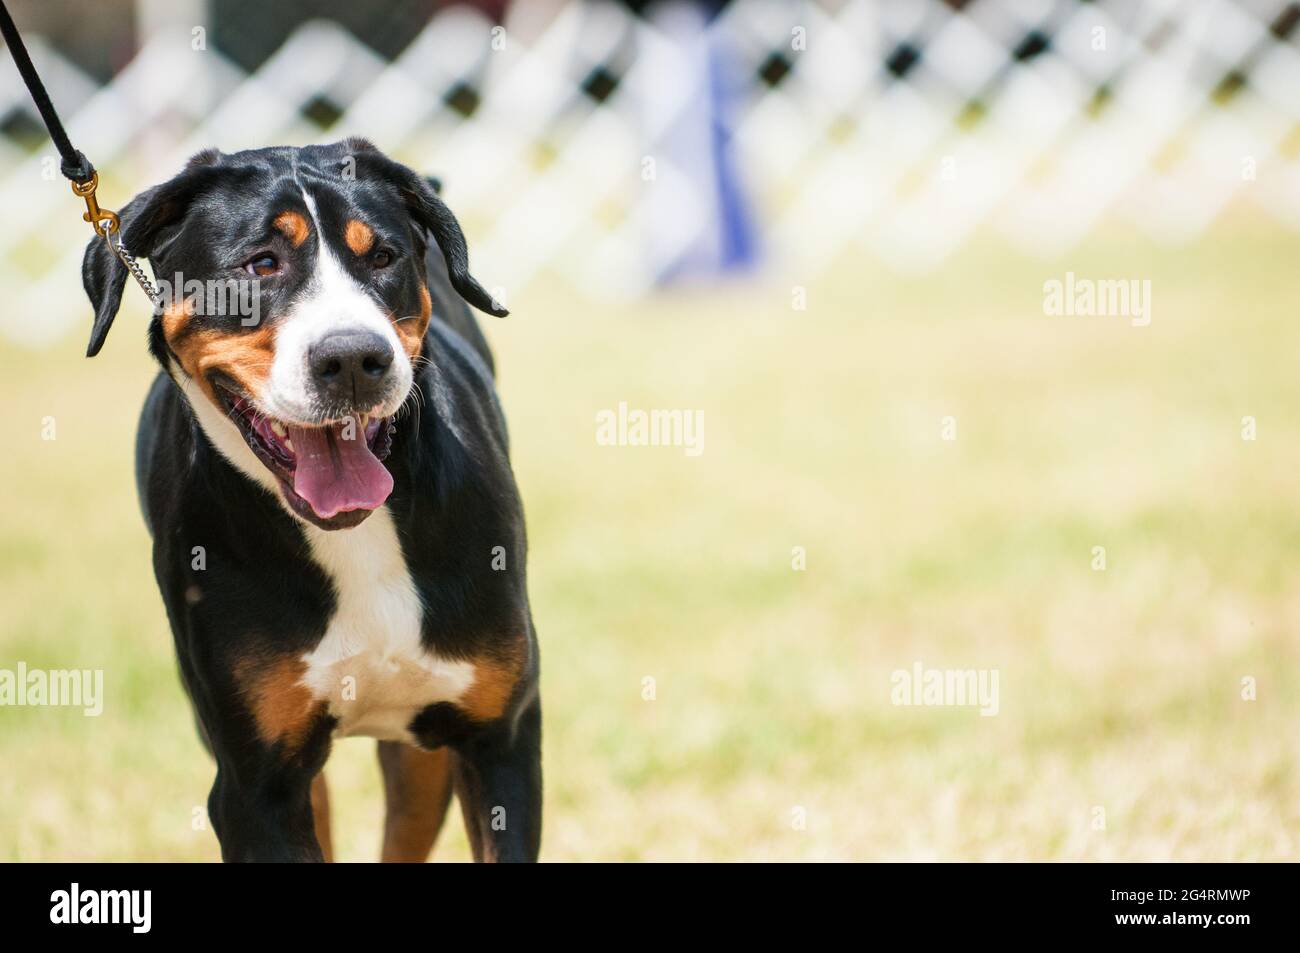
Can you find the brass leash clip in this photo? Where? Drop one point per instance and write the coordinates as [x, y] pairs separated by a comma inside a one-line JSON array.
[[104, 221]]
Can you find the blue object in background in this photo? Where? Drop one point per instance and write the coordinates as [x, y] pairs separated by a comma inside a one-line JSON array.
[[699, 145]]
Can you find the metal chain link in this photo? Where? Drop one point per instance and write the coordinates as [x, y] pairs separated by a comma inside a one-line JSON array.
[[137, 271]]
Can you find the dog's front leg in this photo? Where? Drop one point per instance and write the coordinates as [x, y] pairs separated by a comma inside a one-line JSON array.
[[498, 779], [263, 812], [260, 803]]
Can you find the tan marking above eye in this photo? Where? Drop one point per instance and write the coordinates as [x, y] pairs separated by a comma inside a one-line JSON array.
[[293, 225], [359, 237]]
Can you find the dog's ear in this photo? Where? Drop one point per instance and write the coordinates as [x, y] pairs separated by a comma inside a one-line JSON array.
[[145, 221], [430, 212], [104, 276]]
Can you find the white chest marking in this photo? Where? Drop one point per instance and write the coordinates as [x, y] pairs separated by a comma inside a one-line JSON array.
[[370, 668]]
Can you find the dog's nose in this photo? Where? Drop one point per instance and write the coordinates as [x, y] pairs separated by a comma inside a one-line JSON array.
[[350, 368]]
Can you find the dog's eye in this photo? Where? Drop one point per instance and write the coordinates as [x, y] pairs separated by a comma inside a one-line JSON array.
[[262, 266], [381, 259]]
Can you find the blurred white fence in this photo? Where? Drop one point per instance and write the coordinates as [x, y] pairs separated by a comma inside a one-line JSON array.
[[887, 128]]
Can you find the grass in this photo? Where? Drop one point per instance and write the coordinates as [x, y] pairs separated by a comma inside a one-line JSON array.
[[1120, 689]]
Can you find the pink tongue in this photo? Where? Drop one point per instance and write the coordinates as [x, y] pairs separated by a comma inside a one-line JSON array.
[[335, 474]]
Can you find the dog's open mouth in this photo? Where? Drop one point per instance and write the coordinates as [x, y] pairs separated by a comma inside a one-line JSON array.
[[331, 474]]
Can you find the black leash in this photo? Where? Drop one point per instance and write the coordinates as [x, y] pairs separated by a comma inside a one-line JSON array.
[[75, 167]]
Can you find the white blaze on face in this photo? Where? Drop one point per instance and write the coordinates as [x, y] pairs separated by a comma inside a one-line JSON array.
[[331, 302]]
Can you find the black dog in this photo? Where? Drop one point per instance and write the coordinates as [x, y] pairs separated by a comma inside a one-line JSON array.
[[337, 533]]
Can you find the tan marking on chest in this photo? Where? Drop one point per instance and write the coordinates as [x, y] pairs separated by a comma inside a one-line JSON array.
[[495, 678], [282, 706]]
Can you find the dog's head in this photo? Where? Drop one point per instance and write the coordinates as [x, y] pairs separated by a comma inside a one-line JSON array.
[[294, 309]]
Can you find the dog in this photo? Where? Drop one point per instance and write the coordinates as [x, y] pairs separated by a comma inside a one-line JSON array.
[[337, 533]]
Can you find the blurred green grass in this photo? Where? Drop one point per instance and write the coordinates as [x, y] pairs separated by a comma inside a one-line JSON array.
[[1119, 689]]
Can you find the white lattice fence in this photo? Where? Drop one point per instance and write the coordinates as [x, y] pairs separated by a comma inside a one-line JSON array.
[[890, 128]]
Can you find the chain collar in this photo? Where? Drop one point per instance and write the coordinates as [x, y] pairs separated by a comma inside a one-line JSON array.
[[133, 266]]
